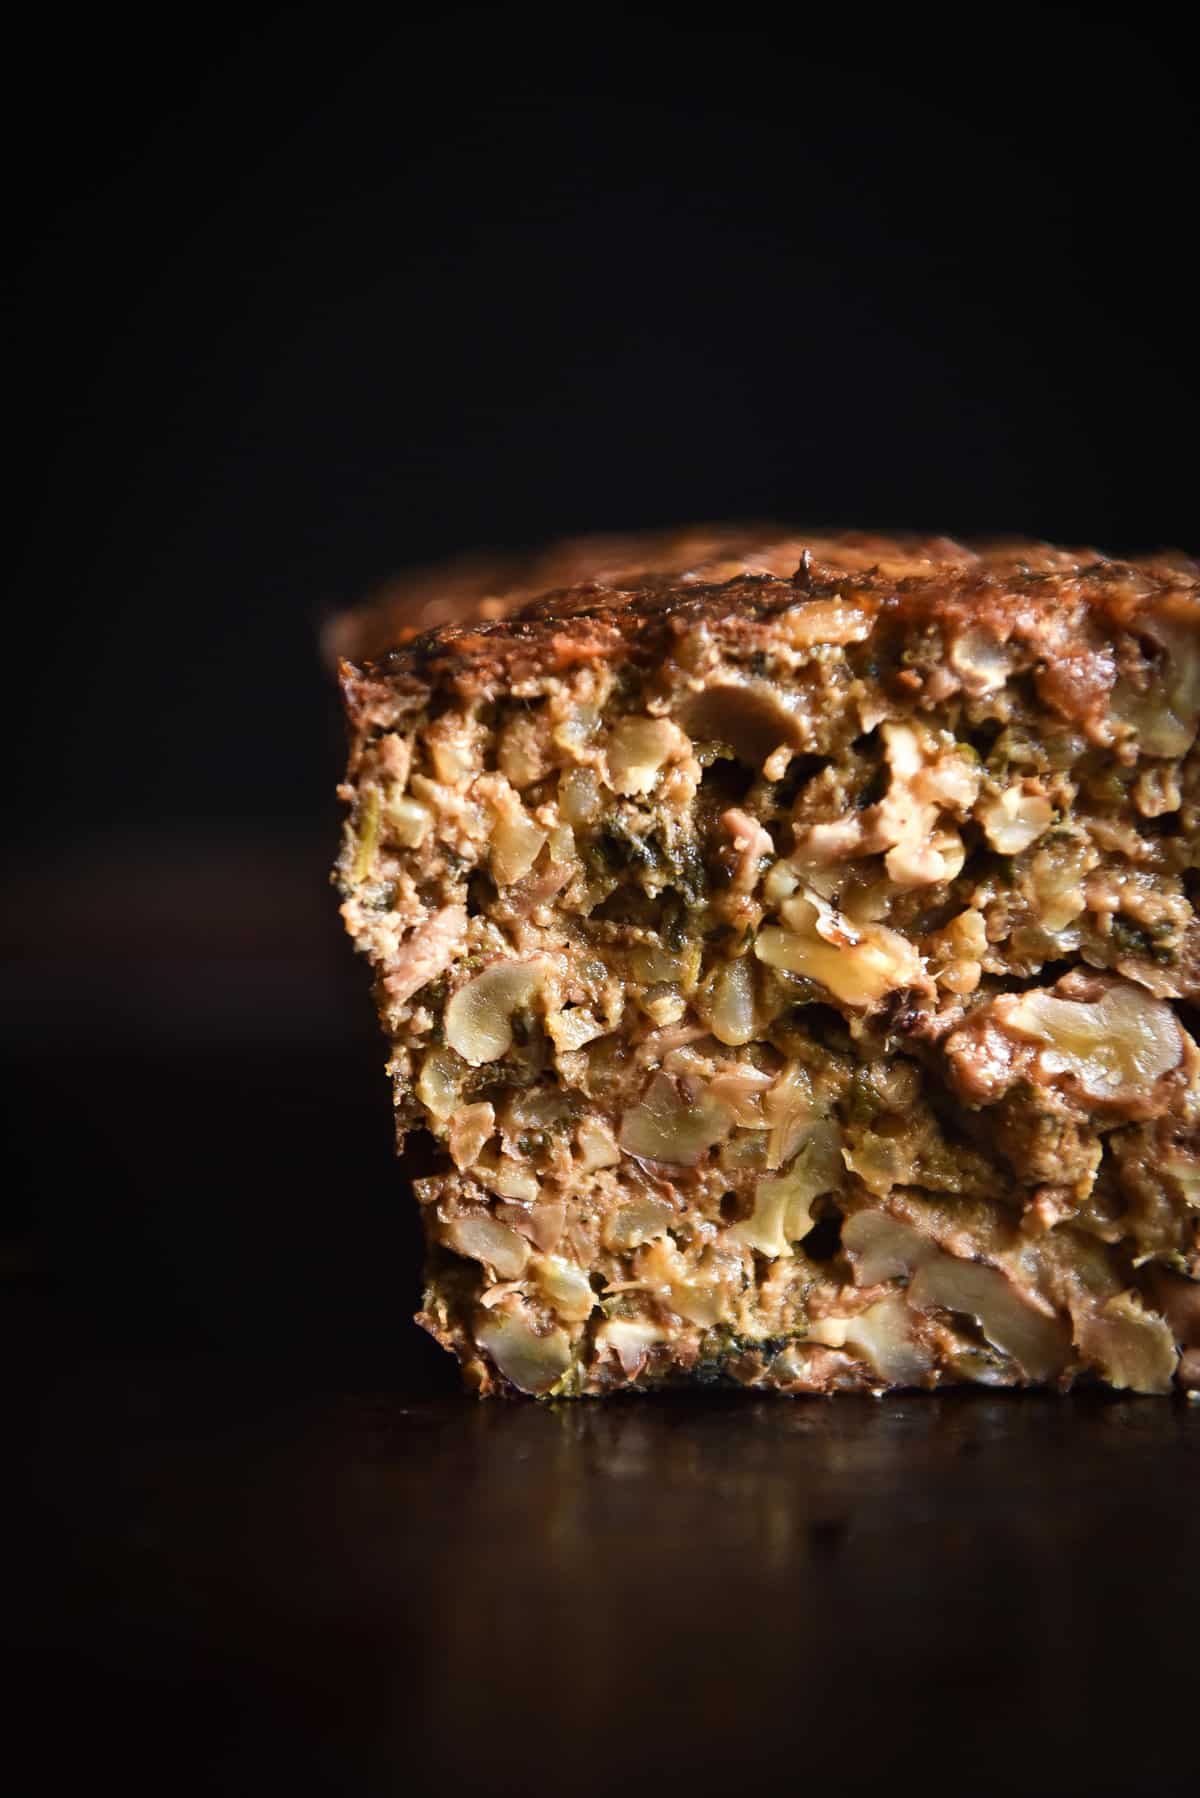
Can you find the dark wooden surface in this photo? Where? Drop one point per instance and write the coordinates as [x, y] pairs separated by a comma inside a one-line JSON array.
[[257, 1581], [265, 1547]]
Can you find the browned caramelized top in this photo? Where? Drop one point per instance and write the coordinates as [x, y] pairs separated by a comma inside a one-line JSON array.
[[482, 588], [1054, 597]]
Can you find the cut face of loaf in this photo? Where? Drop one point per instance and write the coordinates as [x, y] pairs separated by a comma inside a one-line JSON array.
[[794, 971]]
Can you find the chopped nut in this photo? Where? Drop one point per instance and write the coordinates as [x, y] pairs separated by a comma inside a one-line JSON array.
[[483, 1239], [1038, 1343], [883, 1336], [964, 943], [733, 1003], [637, 750], [479, 1015], [1057, 873], [801, 1367], [516, 843], [962, 978], [574, 733], [653, 964], [825, 621], [1156, 792], [859, 965], [740, 1089], [573, 1027], [883, 1248], [684, 1057], [663, 1005], [506, 1177], [914, 864], [791, 1111], [395, 758], [631, 1340], [450, 752], [1133, 1349], [1016, 819], [439, 1082], [673, 1123], [780, 882], [579, 795], [698, 1303], [980, 660], [638, 1223], [566, 1286], [1185, 1171], [926, 780], [597, 1144], [661, 1269], [821, 846], [1177, 629], [1093, 1037], [470, 1128], [830, 1332], [744, 1152], [521, 753], [782, 1202], [1119, 1045], [497, 1292], [533, 1363], [407, 822], [1163, 718]]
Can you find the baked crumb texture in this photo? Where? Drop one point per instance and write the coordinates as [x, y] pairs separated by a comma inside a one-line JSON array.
[[789, 962]]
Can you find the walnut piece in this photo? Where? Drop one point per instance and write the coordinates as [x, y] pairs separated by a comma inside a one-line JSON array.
[[533, 1363], [479, 1016], [1116, 1047], [860, 965]]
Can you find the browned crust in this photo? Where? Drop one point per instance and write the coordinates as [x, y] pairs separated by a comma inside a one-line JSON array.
[[1017, 591], [485, 588]]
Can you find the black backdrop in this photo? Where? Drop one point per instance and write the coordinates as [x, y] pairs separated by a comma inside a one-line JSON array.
[[300, 300]]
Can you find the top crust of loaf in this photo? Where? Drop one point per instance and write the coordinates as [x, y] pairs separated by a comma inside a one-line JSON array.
[[481, 589], [1058, 599]]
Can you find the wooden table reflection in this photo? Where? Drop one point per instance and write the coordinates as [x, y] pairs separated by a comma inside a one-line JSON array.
[[366, 1592]]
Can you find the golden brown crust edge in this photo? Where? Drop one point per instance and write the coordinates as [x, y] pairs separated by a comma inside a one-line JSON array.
[[483, 587]]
